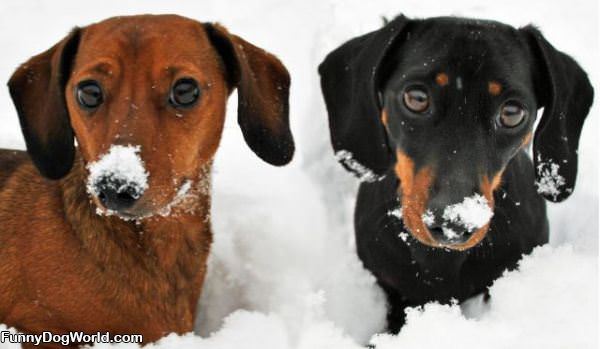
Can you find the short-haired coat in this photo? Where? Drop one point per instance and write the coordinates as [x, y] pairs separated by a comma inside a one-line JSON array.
[[435, 116], [125, 252]]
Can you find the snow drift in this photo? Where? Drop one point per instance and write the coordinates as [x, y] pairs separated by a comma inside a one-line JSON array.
[[283, 271]]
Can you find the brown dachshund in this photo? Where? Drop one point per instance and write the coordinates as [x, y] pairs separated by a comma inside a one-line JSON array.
[[105, 219]]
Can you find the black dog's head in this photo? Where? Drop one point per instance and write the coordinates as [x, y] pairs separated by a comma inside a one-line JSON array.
[[444, 104]]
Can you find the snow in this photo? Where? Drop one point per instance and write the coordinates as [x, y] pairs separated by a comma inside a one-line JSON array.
[[550, 181], [180, 196], [523, 311], [121, 165], [428, 218], [364, 173], [397, 212], [185, 198], [472, 213], [283, 271], [450, 233]]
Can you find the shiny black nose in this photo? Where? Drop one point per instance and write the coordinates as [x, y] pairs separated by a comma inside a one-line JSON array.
[[117, 195]]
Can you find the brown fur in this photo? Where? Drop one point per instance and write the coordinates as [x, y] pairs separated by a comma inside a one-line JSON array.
[[414, 191], [494, 88], [442, 79], [66, 268], [384, 118]]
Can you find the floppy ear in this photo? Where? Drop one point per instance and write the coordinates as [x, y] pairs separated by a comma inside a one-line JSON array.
[[563, 89], [350, 78], [263, 86], [37, 89]]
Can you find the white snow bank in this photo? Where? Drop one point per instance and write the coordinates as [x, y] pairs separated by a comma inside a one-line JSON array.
[[554, 293], [122, 165], [283, 270], [547, 303], [472, 213]]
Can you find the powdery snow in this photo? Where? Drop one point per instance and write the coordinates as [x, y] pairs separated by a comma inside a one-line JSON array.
[[397, 212], [523, 311], [428, 218], [450, 233], [185, 200], [472, 213], [181, 195], [403, 235], [550, 182], [122, 164], [364, 173], [283, 270]]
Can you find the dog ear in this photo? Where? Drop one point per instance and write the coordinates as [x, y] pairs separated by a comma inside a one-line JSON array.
[[263, 85], [565, 92], [37, 89], [350, 77]]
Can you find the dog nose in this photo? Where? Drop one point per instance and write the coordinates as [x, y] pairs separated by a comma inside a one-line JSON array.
[[117, 195], [449, 233], [454, 221]]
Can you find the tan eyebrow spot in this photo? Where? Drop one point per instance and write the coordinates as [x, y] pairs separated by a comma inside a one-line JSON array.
[[494, 88], [441, 79]]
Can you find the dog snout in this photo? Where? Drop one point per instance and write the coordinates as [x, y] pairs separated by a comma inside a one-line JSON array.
[[117, 195], [456, 219]]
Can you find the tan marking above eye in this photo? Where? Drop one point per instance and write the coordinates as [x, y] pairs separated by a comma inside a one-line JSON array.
[[494, 88], [442, 79]]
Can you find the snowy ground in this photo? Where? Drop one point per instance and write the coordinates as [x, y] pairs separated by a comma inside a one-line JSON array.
[[283, 273]]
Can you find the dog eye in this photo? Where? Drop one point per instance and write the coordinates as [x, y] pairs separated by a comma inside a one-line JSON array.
[[184, 93], [511, 114], [416, 99], [89, 94]]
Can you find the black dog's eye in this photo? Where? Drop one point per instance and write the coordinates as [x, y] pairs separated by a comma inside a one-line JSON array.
[[511, 114], [184, 93], [416, 99], [89, 94]]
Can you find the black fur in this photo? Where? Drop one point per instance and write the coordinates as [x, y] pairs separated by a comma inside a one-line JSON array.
[[350, 76], [458, 138], [564, 91]]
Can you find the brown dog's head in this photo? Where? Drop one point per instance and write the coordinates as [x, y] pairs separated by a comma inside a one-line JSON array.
[[145, 98]]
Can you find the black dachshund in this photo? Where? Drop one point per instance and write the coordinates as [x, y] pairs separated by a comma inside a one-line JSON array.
[[435, 117]]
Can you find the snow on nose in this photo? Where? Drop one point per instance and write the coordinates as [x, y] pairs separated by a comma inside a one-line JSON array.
[[471, 214], [121, 166]]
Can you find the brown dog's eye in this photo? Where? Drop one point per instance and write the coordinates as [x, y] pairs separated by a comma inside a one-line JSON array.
[[89, 94], [184, 93], [416, 99], [511, 114]]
